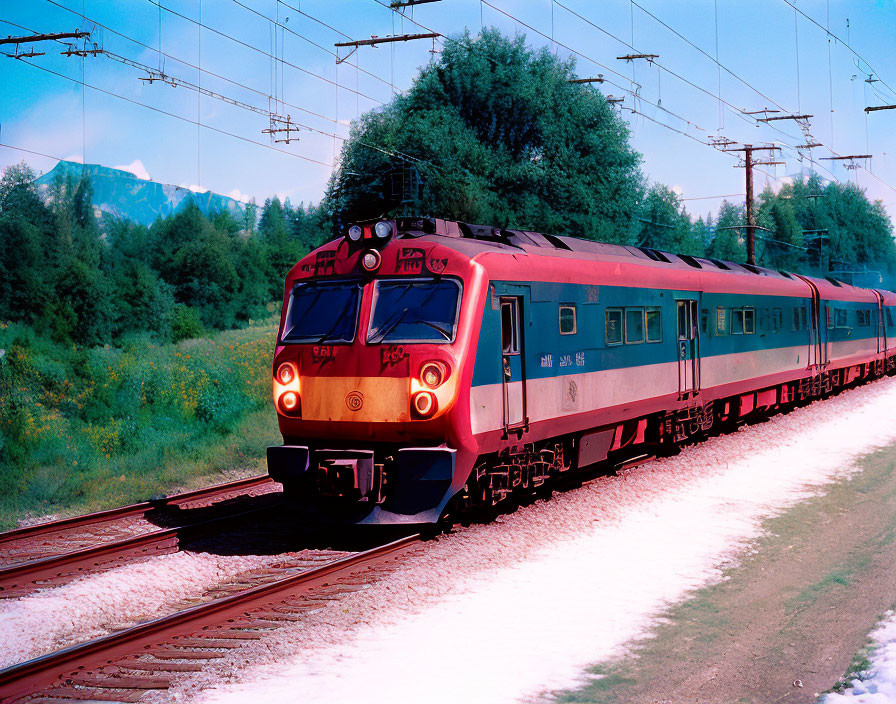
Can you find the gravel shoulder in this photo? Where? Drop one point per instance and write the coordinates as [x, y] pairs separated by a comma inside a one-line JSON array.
[[795, 610]]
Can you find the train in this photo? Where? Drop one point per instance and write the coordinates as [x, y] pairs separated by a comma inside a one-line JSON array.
[[425, 367]]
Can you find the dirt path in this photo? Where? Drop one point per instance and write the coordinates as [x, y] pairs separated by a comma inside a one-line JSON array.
[[798, 608]]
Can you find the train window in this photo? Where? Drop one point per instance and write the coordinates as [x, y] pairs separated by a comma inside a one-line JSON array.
[[750, 321], [889, 317], [842, 320], [704, 320], [414, 310], [654, 325], [765, 324], [614, 326], [509, 331], [721, 320], [829, 320], [737, 321], [567, 319], [777, 320], [795, 325], [634, 326], [322, 312]]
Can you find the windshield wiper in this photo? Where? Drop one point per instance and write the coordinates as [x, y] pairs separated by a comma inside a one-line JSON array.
[[350, 303]]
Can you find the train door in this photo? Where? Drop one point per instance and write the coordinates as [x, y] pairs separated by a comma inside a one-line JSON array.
[[688, 348], [513, 362], [817, 328], [881, 328]]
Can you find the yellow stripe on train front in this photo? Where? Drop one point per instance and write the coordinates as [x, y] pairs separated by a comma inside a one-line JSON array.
[[367, 399]]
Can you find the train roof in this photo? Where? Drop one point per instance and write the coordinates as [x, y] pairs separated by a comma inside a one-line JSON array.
[[474, 241]]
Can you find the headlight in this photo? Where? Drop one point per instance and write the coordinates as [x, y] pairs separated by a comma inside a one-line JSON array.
[[371, 260], [286, 373], [383, 229], [354, 233], [425, 403], [289, 401], [432, 374]]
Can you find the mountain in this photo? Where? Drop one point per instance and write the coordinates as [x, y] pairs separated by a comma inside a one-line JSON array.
[[124, 195]]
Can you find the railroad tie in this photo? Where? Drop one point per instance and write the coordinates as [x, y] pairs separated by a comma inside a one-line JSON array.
[[114, 680], [173, 653], [161, 666], [103, 695]]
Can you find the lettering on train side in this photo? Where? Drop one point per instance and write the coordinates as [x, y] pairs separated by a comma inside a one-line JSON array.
[[410, 260], [323, 354], [547, 360], [325, 263], [392, 355], [580, 359], [437, 266], [566, 360]]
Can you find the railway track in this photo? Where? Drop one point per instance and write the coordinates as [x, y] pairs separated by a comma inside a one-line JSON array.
[[53, 553], [124, 665]]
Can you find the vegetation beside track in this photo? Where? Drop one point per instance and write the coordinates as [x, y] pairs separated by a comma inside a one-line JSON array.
[[92, 428]]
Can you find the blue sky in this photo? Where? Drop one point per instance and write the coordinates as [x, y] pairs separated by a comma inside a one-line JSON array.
[[44, 108]]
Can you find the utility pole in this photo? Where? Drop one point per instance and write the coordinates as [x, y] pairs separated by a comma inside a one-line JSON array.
[[748, 150]]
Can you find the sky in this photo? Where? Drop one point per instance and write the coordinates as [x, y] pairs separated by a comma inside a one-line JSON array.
[[230, 64]]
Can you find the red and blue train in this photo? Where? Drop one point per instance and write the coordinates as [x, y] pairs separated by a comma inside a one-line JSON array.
[[426, 366]]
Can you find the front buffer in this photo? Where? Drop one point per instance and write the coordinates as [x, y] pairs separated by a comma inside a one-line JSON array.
[[412, 485]]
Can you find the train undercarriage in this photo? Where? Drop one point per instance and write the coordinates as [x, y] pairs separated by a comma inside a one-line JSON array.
[[352, 485]]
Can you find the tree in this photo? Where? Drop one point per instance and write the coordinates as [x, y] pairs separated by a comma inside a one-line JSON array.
[[728, 242], [14, 177], [493, 132], [665, 224]]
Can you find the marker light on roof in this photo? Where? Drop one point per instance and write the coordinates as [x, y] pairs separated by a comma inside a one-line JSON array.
[[354, 233], [383, 229]]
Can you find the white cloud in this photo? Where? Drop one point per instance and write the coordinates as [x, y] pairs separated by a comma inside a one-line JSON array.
[[137, 168], [77, 158], [677, 189], [237, 194]]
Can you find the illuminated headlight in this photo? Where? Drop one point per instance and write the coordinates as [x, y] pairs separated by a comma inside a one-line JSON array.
[[289, 401], [383, 229], [371, 260], [432, 374], [286, 374], [424, 403], [354, 233]]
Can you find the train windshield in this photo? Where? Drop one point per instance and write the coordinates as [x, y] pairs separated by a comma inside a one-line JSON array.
[[322, 312], [414, 310]]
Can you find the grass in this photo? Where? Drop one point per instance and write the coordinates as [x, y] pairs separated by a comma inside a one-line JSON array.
[[858, 669], [87, 429]]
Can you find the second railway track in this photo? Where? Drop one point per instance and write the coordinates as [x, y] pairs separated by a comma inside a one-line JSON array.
[[53, 553]]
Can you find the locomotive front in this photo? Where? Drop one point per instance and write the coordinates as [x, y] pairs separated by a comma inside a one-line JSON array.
[[371, 375]]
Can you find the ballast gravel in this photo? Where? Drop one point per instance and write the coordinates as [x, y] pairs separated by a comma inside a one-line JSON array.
[[518, 609], [94, 605]]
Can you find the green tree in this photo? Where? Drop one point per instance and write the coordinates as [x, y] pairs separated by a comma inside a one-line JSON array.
[[665, 224], [728, 242], [493, 132]]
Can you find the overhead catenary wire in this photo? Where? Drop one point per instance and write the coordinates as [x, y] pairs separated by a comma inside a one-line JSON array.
[[178, 117], [265, 53]]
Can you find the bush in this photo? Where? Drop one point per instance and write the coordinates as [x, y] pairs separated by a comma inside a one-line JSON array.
[[185, 324]]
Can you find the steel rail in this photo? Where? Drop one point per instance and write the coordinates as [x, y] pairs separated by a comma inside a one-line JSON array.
[[24, 573], [139, 509], [29, 677]]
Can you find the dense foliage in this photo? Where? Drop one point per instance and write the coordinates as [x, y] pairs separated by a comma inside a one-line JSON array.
[[92, 281], [84, 429], [493, 132]]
